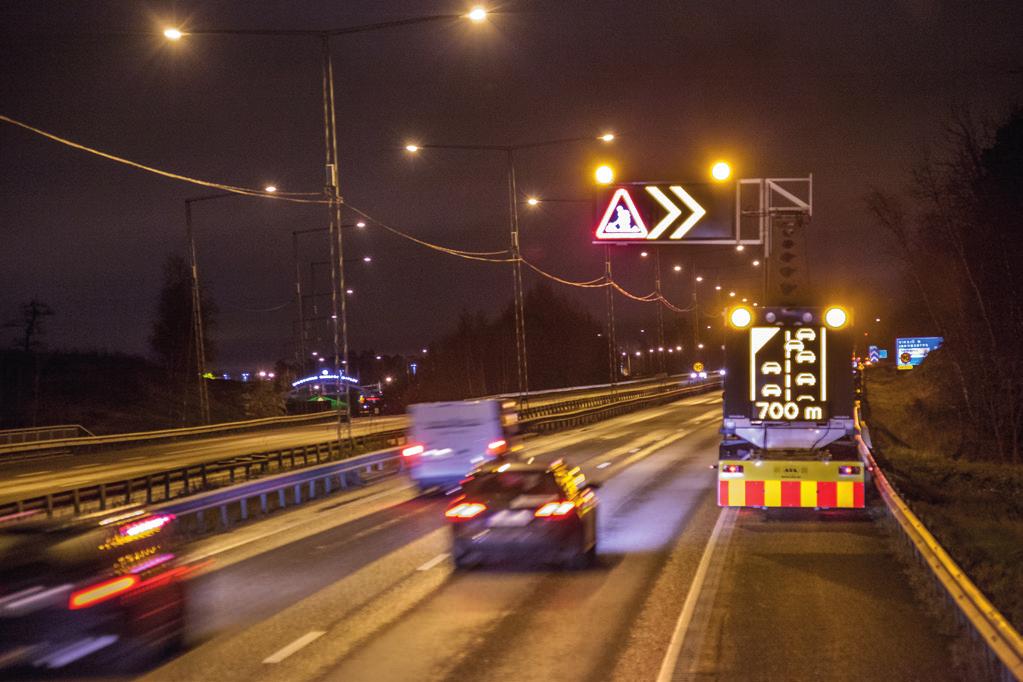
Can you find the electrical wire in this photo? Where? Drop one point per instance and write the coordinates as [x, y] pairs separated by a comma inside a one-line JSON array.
[[488, 256], [234, 189]]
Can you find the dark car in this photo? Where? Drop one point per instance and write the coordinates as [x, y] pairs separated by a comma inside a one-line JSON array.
[[106, 589], [511, 510]]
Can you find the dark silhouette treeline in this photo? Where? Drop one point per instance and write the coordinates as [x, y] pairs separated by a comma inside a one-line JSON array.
[[959, 232], [565, 345]]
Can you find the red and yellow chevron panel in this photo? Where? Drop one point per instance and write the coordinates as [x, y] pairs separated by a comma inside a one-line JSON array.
[[791, 484]]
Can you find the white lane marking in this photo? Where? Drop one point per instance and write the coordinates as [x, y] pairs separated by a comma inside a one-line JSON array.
[[33, 473], [304, 640], [133, 459], [86, 466], [433, 562], [603, 465], [689, 606]]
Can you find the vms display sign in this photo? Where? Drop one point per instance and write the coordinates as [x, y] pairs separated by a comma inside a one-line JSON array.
[[788, 378], [911, 351]]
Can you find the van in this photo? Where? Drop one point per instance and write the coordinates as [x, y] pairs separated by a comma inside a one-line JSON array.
[[447, 440]]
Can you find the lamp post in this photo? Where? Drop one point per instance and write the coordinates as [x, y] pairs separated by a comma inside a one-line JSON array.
[[198, 331], [513, 228], [331, 187]]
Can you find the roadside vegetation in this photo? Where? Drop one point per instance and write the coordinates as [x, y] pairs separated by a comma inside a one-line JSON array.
[[970, 501]]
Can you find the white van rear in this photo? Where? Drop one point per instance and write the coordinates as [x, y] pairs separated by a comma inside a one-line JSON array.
[[448, 440]]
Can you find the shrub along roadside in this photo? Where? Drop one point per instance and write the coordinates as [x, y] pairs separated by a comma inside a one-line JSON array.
[[972, 506]]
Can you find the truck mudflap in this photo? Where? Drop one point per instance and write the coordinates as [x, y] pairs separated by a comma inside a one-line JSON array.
[[798, 484]]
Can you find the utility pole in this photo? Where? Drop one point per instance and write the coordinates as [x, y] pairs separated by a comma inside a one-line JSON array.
[[197, 323]]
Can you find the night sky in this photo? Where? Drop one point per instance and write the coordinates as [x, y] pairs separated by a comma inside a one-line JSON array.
[[852, 92]]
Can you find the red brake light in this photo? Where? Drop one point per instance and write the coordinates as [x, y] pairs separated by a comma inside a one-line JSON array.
[[100, 592], [497, 447], [555, 509], [465, 510], [412, 451]]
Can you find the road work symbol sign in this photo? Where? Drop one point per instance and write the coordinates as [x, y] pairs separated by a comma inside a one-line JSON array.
[[621, 219], [668, 213], [697, 366]]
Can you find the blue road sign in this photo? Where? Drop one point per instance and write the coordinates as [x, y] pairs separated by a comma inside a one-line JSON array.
[[911, 351]]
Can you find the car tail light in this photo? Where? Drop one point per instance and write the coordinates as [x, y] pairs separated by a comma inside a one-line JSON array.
[[146, 526], [100, 592], [497, 447], [412, 451], [465, 510], [555, 509], [732, 469], [846, 470]]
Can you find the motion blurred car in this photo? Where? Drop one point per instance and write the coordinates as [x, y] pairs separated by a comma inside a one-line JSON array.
[[547, 512], [104, 589]]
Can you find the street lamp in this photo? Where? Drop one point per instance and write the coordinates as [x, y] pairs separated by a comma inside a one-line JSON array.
[[721, 171], [513, 224], [331, 184], [604, 175]]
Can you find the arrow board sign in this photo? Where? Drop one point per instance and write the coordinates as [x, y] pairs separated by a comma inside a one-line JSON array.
[[669, 213]]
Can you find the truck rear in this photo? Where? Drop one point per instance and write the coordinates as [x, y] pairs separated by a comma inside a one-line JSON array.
[[788, 429]]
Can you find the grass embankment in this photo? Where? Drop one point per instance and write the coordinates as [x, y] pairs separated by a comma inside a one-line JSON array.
[[973, 506]]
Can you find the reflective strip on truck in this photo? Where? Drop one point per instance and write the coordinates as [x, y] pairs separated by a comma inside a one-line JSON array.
[[828, 485]]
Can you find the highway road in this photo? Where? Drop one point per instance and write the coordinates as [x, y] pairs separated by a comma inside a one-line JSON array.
[[360, 586], [25, 477]]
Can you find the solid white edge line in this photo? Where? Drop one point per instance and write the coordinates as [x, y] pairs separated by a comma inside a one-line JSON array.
[[302, 641], [689, 606], [433, 562]]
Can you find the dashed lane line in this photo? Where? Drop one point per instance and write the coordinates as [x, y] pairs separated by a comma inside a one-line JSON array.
[[304, 640]]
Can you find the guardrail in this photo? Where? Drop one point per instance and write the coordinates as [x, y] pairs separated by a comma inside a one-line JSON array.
[[36, 434], [986, 626], [198, 477], [278, 492], [186, 480], [166, 434]]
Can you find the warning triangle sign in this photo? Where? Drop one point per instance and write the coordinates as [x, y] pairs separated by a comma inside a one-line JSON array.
[[621, 220]]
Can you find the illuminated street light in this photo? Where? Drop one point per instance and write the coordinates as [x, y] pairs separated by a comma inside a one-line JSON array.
[[732, 294], [643, 254], [367, 259], [606, 137], [744, 300], [532, 201], [412, 148], [388, 380], [270, 189], [423, 351], [477, 14], [740, 247], [349, 291], [360, 224], [639, 353], [717, 287], [756, 263], [172, 34], [678, 268], [699, 278], [877, 319], [605, 175], [721, 171], [700, 346]]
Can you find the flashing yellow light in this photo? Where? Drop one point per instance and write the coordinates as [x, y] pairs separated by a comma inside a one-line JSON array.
[[412, 148], [605, 175], [477, 14], [172, 34], [836, 317], [740, 317], [721, 171], [607, 137], [532, 201]]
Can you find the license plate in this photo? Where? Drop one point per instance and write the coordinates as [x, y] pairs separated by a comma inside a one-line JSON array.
[[511, 519]]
